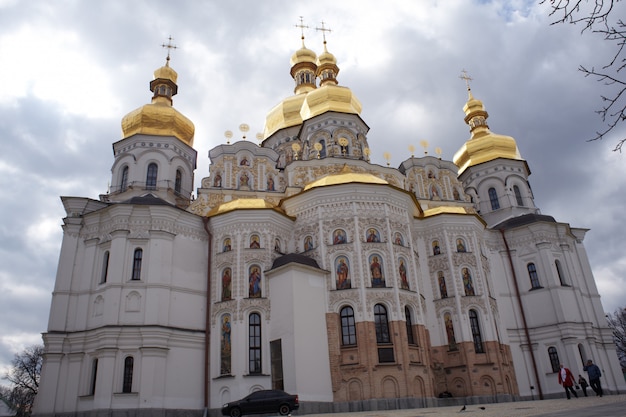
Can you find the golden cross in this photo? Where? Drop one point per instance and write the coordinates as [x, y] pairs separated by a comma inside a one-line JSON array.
[[169, 47], [302, 26], [323, 30], [467, 79]]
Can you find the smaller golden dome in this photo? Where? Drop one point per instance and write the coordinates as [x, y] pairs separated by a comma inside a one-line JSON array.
[[483, 145], [166, 73], [326, 58], [327, 98], [303, 55], [159, 118]]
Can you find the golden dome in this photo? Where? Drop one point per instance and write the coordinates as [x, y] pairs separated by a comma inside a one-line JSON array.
[[483, 145], [243, 204], [329, 97], [159, 118], [303, 55], [285, 114], [346, 177]]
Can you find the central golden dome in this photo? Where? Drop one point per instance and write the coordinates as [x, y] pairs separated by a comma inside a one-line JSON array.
[[310, 100]]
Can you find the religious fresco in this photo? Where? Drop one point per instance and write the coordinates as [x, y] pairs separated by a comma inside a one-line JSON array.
[[225, 346], [339, 237], [404, 283], [227, 280], [377, 271], [254, 282], [342, 269], [468, 284], [372, 235]]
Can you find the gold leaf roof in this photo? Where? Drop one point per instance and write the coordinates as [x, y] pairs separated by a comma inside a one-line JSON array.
[[243, 204], [345, 177]]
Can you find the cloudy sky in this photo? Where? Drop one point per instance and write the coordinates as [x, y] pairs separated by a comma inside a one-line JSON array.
[[70, 70]]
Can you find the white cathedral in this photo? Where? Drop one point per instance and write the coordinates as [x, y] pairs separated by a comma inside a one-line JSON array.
[[303, 266]]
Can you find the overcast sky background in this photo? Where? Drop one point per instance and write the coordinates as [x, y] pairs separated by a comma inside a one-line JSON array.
[[70, 70]]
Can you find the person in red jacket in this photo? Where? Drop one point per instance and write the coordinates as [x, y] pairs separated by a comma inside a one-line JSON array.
[[566, 378]]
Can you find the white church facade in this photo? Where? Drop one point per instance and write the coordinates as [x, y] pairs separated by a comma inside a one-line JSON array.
[[302, 266]]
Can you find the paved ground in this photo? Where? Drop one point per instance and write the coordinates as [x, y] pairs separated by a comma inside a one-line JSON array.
[[607, 406]]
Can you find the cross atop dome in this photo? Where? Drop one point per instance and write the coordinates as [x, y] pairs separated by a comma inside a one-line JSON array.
[[169, 47]]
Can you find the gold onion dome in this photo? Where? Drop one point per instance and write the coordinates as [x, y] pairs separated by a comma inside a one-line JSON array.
[[483, 145], [159, 118], [303, 55]]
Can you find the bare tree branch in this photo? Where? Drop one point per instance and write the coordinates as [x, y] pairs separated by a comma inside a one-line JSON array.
[[24, 379], [617, 323], [595, 16]]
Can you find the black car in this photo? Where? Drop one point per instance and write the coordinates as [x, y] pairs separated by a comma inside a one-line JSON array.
[[260, 402]]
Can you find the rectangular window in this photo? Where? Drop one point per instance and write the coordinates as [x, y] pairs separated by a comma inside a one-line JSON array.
[[254, 344], [137, 258], [128, 374], [94, 375]]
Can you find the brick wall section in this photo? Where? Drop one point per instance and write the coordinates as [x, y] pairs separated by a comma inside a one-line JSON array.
[[418, 370]]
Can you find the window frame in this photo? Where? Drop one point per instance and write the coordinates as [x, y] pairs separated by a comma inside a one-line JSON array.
[[348, 326], [410, 332], [476, 333], [137, 263], [255, 365], [493, 198], [178, 181], [152, 173], [381, 325], [124, 179], [127, 378], [533, 276], [553, 355], [105, 267]]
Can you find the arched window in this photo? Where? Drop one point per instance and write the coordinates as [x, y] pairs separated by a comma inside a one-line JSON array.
[[348, 328], [554, 359], [94, 376], [476, 335], [381, 324], [151, 176], [518, 196], [127, 386], [137, 257], [559, 272], [105, 267], [178, 182], [493, 197], [124, 182], [410, 334], [534, 278], [254, 343]]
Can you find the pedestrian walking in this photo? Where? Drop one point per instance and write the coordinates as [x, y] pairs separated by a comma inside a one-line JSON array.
[[566, 379], [583, 384], [594, 377]]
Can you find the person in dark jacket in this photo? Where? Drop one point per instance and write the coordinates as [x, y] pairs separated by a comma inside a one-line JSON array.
[[566, 378], [594, 377]]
